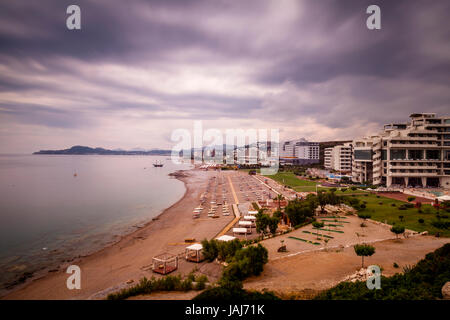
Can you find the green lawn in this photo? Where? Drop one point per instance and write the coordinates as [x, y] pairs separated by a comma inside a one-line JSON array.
[[386, 212], [301, 185]]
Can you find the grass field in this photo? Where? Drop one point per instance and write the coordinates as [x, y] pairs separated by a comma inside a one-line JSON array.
[[385, 212], [301, 185], [290, 179]]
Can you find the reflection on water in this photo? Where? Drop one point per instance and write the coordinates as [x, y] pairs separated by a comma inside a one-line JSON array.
[[55, 207]]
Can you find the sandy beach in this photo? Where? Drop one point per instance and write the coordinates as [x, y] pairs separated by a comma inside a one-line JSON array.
[[131, 257]]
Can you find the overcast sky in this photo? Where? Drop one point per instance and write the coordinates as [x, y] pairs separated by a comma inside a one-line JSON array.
[[140, 69]]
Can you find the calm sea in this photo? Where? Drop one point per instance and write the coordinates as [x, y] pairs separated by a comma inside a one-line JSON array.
[[48, 215]]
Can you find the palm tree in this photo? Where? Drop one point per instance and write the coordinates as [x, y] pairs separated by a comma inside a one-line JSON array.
[[279, 199]]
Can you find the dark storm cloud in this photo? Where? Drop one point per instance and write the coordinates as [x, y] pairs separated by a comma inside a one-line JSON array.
[[214, 59]]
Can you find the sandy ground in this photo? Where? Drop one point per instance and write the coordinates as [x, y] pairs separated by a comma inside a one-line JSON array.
[[308, 273], [131, 257]]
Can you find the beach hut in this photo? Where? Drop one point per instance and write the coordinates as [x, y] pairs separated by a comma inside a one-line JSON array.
[[165, 263], [194, 253], [226, 238]]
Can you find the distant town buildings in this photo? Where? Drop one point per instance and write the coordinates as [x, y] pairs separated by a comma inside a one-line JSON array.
[[339, 158], [416, 153], [299, 152]]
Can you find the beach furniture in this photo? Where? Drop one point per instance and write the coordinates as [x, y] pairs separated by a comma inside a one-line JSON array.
[[250, 218], [164, 263], [194, 253], [252, 212]]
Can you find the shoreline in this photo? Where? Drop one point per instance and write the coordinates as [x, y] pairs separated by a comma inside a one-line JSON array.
[[56, 267], [130, 258]]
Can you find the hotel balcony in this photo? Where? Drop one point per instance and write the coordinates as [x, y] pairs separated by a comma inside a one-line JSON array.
[[414, 168], [414, 145], [413, 174]]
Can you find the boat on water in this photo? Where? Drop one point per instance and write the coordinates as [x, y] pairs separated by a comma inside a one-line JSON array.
[[158, 164]]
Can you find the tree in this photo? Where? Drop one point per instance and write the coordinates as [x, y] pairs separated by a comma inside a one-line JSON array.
[[363, 250], [299, 211], [401, 218], [411, 199], [398, 230], [262, 222], [273, 224], [323, 201], [279, 198], [318, 225]]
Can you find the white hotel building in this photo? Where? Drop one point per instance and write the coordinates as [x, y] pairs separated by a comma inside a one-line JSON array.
[[339, 158], [299, 151], [416, 153]]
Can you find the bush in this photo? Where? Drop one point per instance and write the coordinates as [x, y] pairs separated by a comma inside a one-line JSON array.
[[393, 204], [440, 224], [201, 282], [363, 206], [421, 220], [395, 265]]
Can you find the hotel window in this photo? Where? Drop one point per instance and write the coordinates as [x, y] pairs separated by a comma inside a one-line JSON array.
[[433, 154], [398, 154], [447, 155]]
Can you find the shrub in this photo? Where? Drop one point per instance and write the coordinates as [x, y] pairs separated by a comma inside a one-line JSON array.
[[421, 220], [411, 199], [393, 204], [395, 265], [440, 224], [201, 282]]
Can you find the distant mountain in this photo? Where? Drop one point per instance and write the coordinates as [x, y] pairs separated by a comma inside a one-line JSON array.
[[102, 151]]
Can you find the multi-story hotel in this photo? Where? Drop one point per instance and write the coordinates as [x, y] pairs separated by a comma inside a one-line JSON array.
[[416, 153], [339, 158], [299, 152]]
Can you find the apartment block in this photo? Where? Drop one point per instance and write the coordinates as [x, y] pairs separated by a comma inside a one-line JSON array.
[[415, 154], [338, 158], [299, 151]]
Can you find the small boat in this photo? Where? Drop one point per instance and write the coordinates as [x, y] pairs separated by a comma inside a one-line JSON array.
[[158, 164]]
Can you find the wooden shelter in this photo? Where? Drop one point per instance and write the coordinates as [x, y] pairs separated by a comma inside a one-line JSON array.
[[165, 263]]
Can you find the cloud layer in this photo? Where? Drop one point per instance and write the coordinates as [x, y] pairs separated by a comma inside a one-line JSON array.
[[139, 69]]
